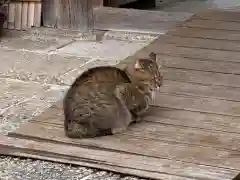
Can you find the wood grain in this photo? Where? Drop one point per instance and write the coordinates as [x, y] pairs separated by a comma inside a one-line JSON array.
[[199, 64], [11, 16], [31, 9], [171, 116], [72, 14], [200, 33], [113, 158], [201, 77], [202, 43], [209, 24], [128, 143], [18, 16], [160, 47], [24, 23], [219, 15], [37, 14]]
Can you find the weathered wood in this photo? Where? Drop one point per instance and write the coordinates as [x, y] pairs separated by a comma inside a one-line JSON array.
[[199, 64], [208, 105], [130, 144], [72, 14], [31, 13], [49, 13], [61, 159], [18, 15], [202, 43], [200, 77], [37, 14], [109, 160], [201, 90], [200, 33], [54, 115], [11, 16], [24, 23], [179, 117], [160, 47], [219, 15], [209, 24]]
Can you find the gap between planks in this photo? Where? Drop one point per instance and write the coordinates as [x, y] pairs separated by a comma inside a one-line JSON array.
[[214, 34], [224, 67], [193, 42], [151, 132], [211, 25], [128, 144], [224, 15], [189, 52]]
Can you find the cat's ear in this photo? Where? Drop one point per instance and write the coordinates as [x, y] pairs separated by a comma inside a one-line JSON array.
[[153, 56], [137, 65]]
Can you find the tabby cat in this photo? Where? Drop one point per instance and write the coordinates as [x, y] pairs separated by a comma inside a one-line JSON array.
[[106, 100]]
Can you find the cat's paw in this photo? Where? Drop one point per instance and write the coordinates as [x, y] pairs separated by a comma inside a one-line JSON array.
[[135, 118], [118, 130]]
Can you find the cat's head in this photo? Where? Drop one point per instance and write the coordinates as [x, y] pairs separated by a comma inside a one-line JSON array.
[[147, 71]]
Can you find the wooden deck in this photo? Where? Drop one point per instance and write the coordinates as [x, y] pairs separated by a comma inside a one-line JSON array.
[[192, 131]]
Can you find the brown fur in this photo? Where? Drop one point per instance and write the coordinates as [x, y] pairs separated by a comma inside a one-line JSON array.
[[105, 100]]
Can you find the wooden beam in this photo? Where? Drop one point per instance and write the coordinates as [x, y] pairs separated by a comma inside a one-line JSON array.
[[68, 14]]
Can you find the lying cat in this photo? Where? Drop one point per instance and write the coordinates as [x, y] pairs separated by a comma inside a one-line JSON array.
[[106, 100]]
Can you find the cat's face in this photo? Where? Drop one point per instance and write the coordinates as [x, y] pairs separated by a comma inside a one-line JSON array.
[[147, 71]]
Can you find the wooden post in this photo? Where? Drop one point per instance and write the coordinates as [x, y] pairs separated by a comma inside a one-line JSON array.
[[68, 14]]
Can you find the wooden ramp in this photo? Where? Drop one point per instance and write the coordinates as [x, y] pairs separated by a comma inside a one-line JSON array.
[[192, 132]]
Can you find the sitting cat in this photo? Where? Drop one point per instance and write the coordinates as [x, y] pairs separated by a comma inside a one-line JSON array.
[[105, 100]]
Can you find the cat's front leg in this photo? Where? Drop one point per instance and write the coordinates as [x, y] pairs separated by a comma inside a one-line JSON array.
[[135, 117]]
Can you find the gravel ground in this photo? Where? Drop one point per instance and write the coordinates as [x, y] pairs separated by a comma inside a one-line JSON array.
[[28, 169]]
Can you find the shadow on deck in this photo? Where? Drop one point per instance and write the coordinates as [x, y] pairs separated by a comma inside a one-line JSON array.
[[192, 131]]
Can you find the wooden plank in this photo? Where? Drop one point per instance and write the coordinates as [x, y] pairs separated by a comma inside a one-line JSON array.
[[24, 22], [209, 24], [135, 145], [31, 9], [199, 104], [198, 120], [202, 43], [62, 159], [37, 14], [205, 33], [189, 52], [49, 20], [63, 12], [148, 165], [179, 117], [72, 14], [11, 16], [54, 115], [200, 90], [18, 16], [199, 64], [200, 77], [219, 15]]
